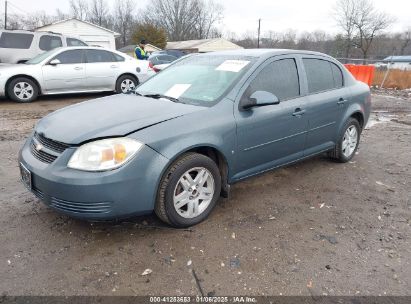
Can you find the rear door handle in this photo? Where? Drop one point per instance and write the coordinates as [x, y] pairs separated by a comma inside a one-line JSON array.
[[114, 66], [298, 112], [341, 101]]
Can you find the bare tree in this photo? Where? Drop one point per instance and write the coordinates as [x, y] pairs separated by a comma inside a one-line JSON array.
[[361, 23], [98, 12], [185, 19], [209, 14], [369, 23], [124, 19], [79, 9], [345, 15], [405, 39]]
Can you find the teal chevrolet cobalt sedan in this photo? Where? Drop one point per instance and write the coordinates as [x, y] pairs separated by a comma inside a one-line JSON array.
[[177, 143]]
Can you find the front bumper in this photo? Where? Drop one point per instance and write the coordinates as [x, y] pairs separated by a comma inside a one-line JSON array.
[[124, 192]]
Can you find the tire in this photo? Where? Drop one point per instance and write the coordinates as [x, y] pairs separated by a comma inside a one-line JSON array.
[[346, 146], [176, 188], [126, 83], [22, 90]]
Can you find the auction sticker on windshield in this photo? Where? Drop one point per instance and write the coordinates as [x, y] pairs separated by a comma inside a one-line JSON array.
[[232, 65], [177, 90]]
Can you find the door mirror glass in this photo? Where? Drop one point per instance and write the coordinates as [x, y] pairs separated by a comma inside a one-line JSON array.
[[54, 62], [259, 99]]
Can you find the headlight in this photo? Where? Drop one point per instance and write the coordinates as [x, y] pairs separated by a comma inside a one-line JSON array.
[[106, 154]]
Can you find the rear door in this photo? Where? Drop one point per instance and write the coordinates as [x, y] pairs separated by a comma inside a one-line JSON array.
[[102, 70], [327, 100], [271, 135], [68, 76]]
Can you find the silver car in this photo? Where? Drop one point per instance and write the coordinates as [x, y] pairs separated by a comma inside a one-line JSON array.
[[72, 70]]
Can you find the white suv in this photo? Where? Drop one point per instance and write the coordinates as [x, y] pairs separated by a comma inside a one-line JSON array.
[[17, 46]]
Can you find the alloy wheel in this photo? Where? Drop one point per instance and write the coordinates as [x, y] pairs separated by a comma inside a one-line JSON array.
[[23, 90], [350, 141], [193, 192], [127, 85]]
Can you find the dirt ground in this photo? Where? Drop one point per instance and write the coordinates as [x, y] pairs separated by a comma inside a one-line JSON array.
[[313, 228]]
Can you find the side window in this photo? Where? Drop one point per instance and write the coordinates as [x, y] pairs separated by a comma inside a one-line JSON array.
[[94, 56], [48, 42], [279, 77], [75, 42], [70, 57], [118, 57], [319, 75], [337, 75], [15, 40]]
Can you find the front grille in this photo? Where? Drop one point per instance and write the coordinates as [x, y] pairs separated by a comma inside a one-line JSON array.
[[94, 208], [42, 155], [51, 144]]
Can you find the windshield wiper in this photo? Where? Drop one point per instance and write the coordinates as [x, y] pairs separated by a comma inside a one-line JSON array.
[[158, 96]]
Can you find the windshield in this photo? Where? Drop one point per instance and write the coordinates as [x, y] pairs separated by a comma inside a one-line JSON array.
[[39, 58], [198, 80]]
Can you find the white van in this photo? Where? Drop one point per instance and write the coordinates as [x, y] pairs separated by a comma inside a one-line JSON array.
[[18, 46]]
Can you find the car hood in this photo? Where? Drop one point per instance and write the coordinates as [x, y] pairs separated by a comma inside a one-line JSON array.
[[111, 116]]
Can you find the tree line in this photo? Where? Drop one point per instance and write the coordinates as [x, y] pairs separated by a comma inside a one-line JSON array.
[[159, 21], [362, 27]]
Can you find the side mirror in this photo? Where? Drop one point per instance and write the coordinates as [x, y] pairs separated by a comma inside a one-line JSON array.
[[260, 99], [54, 62]]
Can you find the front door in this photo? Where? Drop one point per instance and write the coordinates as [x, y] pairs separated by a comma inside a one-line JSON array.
[[269, 136], [66, 76]]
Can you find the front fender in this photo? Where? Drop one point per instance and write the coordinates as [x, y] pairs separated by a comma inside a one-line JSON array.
[[212, 127]]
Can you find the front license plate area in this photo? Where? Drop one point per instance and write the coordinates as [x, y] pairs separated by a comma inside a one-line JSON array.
[[25, 176]]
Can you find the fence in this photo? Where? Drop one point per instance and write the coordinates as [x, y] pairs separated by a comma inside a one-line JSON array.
[[383, 76]]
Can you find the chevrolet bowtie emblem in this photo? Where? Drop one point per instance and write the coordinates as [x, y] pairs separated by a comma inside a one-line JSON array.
[[39, 147]]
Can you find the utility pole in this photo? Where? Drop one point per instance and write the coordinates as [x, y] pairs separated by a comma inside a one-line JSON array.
[[259, 28], [5, 15]]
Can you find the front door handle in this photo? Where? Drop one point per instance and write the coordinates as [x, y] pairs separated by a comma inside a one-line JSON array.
[[341, 101], [78, 68], [298, 112]]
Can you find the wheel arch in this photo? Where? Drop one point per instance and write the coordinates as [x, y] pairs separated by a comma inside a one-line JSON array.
[[216, 155], [22, 76], [359, 116], [128, 74]]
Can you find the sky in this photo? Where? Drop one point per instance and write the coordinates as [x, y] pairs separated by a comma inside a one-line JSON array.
[[241, 16]]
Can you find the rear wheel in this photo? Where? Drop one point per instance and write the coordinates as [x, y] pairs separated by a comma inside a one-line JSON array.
[[188, 190], [22, 89], [126, 83], [347, 145]]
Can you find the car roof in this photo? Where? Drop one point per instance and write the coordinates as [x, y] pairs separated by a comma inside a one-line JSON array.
[[264, 52]]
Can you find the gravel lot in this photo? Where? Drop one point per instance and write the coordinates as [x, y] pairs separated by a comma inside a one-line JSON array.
[[313, 228]]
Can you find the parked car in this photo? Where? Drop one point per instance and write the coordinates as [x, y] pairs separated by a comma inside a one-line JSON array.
[[157, 59], [72, 70], [18, 46], [202, 124]]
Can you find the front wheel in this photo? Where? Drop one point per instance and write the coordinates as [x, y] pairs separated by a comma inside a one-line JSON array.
[[347, 145], [22, 89], [126, 84], [188, 190]]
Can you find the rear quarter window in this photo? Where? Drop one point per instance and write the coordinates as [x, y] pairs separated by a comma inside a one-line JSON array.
[[16, 40], [48, 42]]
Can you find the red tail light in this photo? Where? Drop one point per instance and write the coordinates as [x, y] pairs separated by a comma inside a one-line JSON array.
[[153, 67]]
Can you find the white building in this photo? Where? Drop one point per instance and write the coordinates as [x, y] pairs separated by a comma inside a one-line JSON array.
[[398, 62], [90, 33]]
